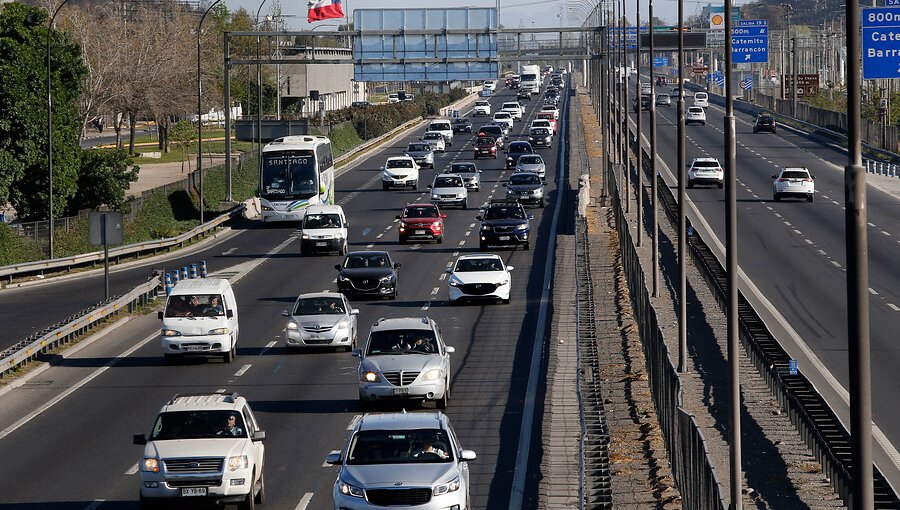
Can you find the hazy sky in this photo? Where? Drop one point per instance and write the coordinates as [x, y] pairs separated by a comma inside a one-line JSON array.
[[513, 13]]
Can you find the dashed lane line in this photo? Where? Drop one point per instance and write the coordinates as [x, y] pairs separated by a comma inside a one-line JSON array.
[[269, 345], [132, 470], [304, 501], [894, 307], [872, 291], [243, 370]]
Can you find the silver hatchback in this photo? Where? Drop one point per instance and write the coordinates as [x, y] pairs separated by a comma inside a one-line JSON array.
[[320, 319], [405, 460]]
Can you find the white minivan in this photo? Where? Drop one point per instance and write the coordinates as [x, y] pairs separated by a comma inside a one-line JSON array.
[[324, 229], [701, 99], [443, 127], [201, 318]]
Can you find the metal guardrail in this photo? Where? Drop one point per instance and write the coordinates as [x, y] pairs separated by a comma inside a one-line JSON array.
[[810, 414], [28, 350], [66, 263]]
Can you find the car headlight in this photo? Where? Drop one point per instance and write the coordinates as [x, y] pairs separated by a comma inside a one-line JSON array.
[[170, 332], [485, 228], [238, 462], [504, 282], [521, 227], [305, 236], [433, 375], [454, 281], [267, 208], [151, 465], [387, 279], [368, 376], [349, 490], [446, 488], [435, 197], [436, 224], [219, 331], [292, 325], [344, 324], [342, 278], [460, 195]]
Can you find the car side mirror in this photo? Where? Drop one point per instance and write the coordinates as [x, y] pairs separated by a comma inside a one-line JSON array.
[[479, 218], [443, 215], [337, 266], [505, 184], [450, 349], [448, 270], [229, 313], [140, 439], [356, 353], [774, 176], [510, 268], [354, 311], [382, 169], [813, 177], [530, 216], [333, 458], [467, 455], [284, 313], [159, 315], [259, 435], [397, 216], [346, 224], [429, 186], [396, 265]]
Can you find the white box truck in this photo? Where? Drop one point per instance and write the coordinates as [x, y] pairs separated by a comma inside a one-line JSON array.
[[531, 79]]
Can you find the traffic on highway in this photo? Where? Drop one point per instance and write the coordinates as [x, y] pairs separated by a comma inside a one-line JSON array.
[[410, 288]]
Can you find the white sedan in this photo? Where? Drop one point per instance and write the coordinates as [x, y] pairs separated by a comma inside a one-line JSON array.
[[435, 139], [794, 182], [479, 276]]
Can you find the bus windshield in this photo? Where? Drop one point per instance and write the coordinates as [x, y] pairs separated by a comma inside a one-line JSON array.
[[289, 175]]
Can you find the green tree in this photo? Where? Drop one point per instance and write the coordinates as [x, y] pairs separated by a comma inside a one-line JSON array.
[[103, 178], [183, 134], [23, 101]]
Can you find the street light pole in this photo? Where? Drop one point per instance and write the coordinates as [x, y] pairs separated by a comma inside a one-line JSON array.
[[50, 129], [653, 179], [200, 110], [682, 196], [259, 166], [638, 154]]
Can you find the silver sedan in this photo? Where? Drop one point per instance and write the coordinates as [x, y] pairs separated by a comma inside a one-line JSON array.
[[321, 319]]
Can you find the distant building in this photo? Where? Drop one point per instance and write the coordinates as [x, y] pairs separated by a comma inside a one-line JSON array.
[[334, 82]]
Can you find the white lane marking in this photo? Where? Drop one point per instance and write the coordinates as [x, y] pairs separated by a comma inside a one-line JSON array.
[[871, 224], [788, 223], [468, 233], [435, 290], [777, 215], [425, 306], [894, 307], [396, 220], [471, 225], [304, 501], [826, 197], [229, 251], [872, 291], [808, 241], [221, 390], [379, 236], [835, 263], [243, 370], [388, 228], [442, 277], [354, 421], [269, 346], [885, 232], [327, 290], [370, 245], [42, 409], [132, 470], [822, 252], [95, 504], [835, 202], [450, 264], [416, 246], [769, 208], [798, 232], [461, 243]]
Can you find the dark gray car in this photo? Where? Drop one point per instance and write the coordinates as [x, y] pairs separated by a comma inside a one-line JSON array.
[[526, 187], [469, 172]]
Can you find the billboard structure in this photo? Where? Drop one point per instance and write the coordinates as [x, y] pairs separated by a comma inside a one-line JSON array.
[[404, 44]]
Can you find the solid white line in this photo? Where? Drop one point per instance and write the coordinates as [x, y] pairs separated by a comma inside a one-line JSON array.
[[42, 409], [95, 504], [132, 470], [872, 291], [243, 370], [894, 307], [304, 501]]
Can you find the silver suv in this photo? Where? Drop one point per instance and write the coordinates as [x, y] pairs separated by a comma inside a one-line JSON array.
[[404, 359], [203, 446], [405, 460]]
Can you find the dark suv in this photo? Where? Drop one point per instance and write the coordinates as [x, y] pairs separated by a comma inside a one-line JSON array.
[[504, 223], [516, 149], [764, 123], [462, 125], [368, 273]]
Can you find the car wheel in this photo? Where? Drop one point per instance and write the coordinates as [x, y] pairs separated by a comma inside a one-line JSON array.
[[365, 405], [384, 186], [260, 497], [290, 349], [703, 123], [393, 296], [527, 246], [542, 204], [505, 301], [495, 156], [445, 400], [344, 249], [465, 204], [149, 504], [809, 198], [482, 246], [440, 240], [690, 183], [249, 503], [777, 197], [170, 359], [415, 185], [228, 357], [402, 240], [721, 185]]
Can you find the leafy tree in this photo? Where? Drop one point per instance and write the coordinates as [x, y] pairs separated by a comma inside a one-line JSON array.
[[183, 134], [103, 178], [23, 123]]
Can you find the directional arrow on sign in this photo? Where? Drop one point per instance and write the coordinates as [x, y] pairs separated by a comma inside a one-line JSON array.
[[746, 56]]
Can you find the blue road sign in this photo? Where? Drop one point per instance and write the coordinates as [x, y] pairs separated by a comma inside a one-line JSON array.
[[750, 41], [792, 367], [889, 3], [747, 83], [881, 43], [663, 61]]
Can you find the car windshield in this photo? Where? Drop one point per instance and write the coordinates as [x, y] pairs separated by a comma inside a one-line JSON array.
[[514, 106], [366, 260], [321, 221], [794, 174], [706, 164], [420, 212], [462, 168], [399, 163], [472, 265], [447, 182], [518, 148], [419, 147], [695, 109], [523, 179], [530, 160], [764, 120], [482, 103], [195, 305], [485, 141], [545, 115], [198, 425], [433, 136], [399, 447], [320, 306], [540, 132], [504, 212], [663, 96], [440, 126], [289, 175], [401, 341], [496, 130], [503, 115]]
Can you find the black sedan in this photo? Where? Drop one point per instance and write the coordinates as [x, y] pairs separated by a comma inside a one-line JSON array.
[[462, 125], [371, 273], [764, 123]]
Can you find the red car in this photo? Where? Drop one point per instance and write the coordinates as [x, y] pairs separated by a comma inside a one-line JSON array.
[[421, 221], [485, 146], [548, 116]]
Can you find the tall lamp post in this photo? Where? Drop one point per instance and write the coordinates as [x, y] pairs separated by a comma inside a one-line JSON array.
[[200, 109], [258, 99], [50, 128]]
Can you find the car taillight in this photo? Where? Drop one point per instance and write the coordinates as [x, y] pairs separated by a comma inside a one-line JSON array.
[[807, 180], [782, 180]]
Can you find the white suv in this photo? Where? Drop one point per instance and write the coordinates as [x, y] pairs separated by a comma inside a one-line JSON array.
[[400, 172], [794, 182], [706, 171], [481, 107], [203, 446], [514, 109], [324, 229], [695, 114], [701, 99], [444, 127]]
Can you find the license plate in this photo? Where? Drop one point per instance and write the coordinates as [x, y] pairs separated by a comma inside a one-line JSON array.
[[400, 391], [525, 194], [193, 348], [321, 244], [193, 491], [420, 232], [503, 238]]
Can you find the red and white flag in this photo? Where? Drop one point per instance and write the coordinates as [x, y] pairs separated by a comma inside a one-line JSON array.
[[324, 9]]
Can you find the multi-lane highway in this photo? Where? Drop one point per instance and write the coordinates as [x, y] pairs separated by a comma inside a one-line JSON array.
[[794, 252], [66, 434]]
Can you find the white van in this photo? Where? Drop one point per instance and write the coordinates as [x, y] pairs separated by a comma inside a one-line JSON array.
[[444, 127], [324, 229], [701, 99], [200, 318]]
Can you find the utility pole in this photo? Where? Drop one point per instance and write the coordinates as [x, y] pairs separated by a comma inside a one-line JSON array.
[[654, 192], [638, 155], [682, 196]]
